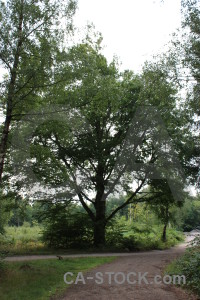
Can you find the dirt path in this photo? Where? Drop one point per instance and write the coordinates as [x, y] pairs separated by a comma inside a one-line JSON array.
[[152, 262]]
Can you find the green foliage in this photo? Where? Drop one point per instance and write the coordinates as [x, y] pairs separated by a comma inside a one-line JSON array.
[[191, 13], [146, 239], [65, 227], [185, 59], [188, 265], [120, 235], [2, 217], [187, 217], [23, 239], [130, 236], [114, 233], [129, 243], [5, 201]]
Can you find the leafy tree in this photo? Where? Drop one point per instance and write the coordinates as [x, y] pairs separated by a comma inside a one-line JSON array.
[[187, 217], [87, 150], [162, 206], [31, 39]]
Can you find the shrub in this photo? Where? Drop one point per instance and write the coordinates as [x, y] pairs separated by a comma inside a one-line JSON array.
[[114, 234], [68, 231], [130, 243], [189, 266]]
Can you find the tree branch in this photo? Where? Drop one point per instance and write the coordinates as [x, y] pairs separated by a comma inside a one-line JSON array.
[[89, 211], [127, 201]]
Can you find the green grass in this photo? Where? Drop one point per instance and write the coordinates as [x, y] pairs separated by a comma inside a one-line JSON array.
[[42, 279], [22, 240]]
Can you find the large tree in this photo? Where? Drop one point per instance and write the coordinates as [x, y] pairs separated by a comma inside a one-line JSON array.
[[97, 146], [31, 37]]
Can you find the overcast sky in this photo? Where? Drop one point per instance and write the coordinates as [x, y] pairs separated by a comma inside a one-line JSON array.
[[132, 29]]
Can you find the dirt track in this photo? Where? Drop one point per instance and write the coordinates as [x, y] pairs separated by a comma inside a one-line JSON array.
[[152, 262]]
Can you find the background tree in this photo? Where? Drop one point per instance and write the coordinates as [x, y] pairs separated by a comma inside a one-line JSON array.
[[162, 207], [188, 217], [31, 39]]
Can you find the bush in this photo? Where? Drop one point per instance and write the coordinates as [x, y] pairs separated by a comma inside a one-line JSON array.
[[130, 243], [189, 266], [73, 230], [114, 234]]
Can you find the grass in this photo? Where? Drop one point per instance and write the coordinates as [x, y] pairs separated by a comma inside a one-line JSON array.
[[26, 240], [22, 240], [42, 279]]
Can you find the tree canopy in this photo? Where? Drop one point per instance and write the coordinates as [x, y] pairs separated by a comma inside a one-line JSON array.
[[97, 144]]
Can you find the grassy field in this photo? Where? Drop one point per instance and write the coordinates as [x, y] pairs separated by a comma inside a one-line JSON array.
[[27, 240], [22, 240], [42, 279]]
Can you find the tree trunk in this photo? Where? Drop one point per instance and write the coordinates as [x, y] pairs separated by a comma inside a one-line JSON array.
[[100, 207], [3, 144], [164, 234], [99, 233], [100, 222]]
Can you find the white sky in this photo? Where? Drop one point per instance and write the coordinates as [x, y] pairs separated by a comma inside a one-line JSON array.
[[132, 29]]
